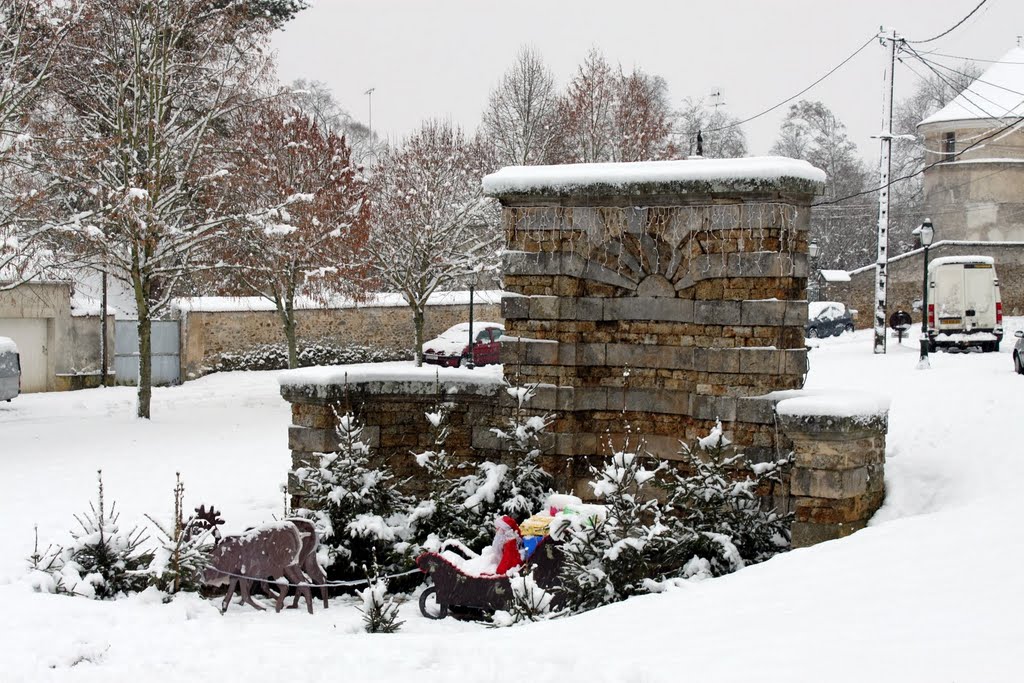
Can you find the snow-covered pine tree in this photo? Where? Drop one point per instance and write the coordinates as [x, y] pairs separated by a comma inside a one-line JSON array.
[[443, 515], [526, 485], [355, 504], [612, 556], [102, 561], [717, 497], [380, 612], [183, 553]]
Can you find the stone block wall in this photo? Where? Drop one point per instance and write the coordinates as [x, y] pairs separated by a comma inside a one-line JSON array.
[[656, 315], [837, 480], [207, 335], [395, 424]]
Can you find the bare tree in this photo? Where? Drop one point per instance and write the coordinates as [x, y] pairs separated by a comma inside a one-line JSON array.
[[844, 230], [138, 124], [305, 217], [520, 116], [586, 112], [28, 43], [609, 115], [722, 136], [317, 101], [430, 223]]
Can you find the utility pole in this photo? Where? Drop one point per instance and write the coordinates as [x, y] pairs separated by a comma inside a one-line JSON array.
[[369, 113], [884, 171]]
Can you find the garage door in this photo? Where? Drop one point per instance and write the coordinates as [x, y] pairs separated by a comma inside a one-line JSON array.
[[30, 336]]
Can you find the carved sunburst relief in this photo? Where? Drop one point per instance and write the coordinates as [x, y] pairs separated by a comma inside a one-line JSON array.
[[656, 251]]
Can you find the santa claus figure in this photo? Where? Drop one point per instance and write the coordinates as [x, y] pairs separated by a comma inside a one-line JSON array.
[[508, 541]]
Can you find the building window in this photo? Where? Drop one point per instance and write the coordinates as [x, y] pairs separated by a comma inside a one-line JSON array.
[[949, 146]]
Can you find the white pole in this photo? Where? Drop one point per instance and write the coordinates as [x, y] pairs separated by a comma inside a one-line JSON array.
[[884, 170]]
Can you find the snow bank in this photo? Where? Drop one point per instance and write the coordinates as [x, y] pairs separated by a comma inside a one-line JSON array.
[[514, 179], [860, 404], [7, 345], [398, 371], [380, 300]]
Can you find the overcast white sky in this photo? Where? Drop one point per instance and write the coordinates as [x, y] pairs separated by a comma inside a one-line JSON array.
[[440, 58]]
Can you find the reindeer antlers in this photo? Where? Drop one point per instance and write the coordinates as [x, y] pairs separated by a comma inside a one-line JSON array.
[[210, 518]]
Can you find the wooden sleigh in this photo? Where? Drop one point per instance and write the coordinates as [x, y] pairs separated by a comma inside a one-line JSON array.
[[456, 591]]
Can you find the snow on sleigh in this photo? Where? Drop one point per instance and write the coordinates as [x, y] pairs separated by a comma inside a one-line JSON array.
[[459, 585]]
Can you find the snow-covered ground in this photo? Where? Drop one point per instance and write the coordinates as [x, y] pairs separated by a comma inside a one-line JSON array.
[[931, 591]]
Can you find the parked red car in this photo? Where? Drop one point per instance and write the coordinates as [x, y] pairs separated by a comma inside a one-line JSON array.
[[451, 349]]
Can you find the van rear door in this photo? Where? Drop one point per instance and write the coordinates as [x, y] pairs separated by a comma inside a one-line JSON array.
[[948, 281], [979, 296]]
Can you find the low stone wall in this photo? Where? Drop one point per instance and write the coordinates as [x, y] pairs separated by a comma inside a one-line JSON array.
[[395, 425], [838, 476], [207, 335], [906, 276]]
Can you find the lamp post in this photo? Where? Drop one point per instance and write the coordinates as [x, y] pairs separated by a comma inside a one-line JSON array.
[[469, 361], [812, 252], [925, 233]]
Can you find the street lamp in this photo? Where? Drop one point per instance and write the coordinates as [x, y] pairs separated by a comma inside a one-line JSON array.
[[812, 250], [925, 233]]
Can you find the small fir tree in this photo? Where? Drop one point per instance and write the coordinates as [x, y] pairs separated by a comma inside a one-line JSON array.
[[613, 556], [102, 562], [356, 505], [526, 485], [443, 516], [183, 552], [380, 612], [717, 496]]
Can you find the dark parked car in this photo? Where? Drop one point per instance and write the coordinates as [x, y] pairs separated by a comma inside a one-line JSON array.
[[827, 319], [452, 347], [1018, 352]]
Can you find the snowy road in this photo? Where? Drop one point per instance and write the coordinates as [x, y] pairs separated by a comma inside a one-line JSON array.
[[930, 592]]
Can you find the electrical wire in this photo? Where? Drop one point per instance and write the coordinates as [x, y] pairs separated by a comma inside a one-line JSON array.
[[972, 59], [790, 99], [951, 28], [951, 157], [967, 75]]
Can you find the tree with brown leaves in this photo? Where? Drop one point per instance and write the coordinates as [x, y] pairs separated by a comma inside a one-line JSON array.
[[305, 215], [137, 123]]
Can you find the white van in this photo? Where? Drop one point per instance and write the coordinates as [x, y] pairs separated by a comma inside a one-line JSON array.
[[10, 369], [964, 305]]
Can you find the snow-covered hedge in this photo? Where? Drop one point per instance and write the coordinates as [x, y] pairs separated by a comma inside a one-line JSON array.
[[275, 356]]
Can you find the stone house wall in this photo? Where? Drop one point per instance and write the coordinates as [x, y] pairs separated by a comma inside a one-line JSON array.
[[71, 353], [906, 277]]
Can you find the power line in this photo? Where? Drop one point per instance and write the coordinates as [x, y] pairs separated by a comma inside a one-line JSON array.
[[951, 157], [972, 59], [790, 99], [951, 28], [967, 75]]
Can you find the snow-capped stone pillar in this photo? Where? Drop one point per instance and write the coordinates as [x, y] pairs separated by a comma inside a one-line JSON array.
[[655, 298], [838, 477]]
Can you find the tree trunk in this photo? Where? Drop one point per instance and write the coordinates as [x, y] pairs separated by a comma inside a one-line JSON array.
[[286, 309], [417, 320], [145, 362], [293, 344], [145, 329]]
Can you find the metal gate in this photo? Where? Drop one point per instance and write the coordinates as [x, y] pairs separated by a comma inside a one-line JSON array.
[[166, 345]]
